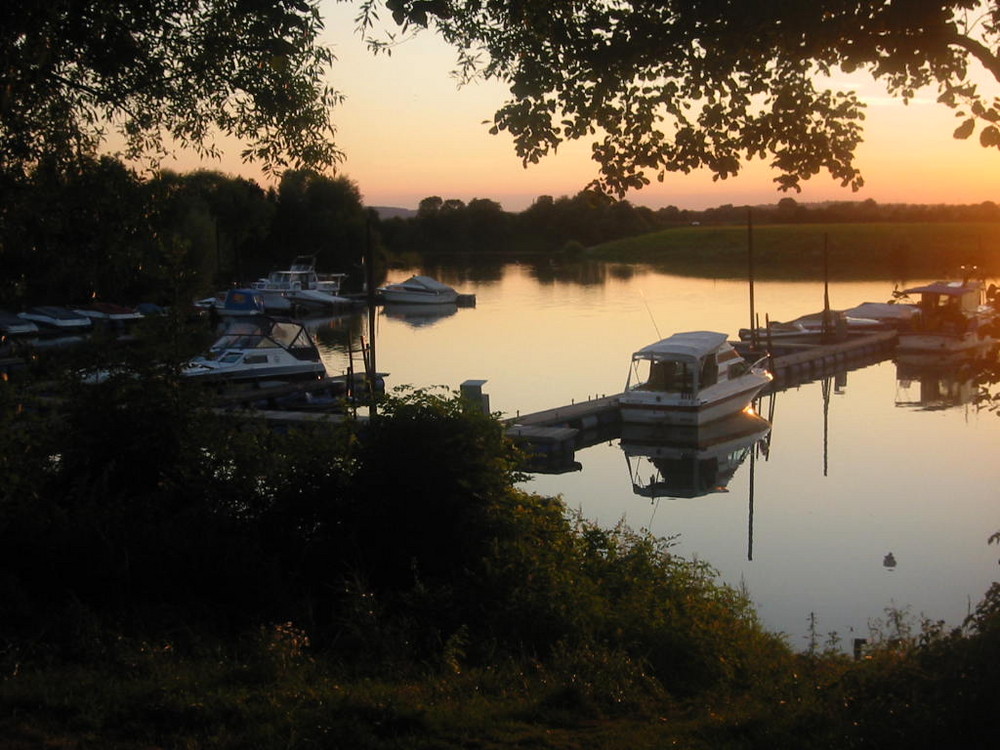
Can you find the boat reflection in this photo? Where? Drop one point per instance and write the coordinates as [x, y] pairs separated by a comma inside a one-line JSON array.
[[944, 384], [419, 314], [688, 462]]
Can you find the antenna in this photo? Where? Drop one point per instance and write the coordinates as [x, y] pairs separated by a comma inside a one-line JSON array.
[[655, 327]]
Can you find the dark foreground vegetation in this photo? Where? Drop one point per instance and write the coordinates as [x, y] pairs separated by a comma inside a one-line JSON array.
[[172, 577]]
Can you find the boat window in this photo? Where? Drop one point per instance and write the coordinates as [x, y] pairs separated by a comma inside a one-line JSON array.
[[256, 359], [737, 369], [288, 336], [230, 358], [709, 372], [668, 376]]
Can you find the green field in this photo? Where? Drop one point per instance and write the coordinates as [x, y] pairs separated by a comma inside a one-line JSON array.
[[855, 251]]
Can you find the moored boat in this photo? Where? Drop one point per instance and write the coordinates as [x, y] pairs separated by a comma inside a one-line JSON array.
[[303, 287], [259, 349], [55, 319], [418, 290], [953, 319], [13, 325], [693, 378]]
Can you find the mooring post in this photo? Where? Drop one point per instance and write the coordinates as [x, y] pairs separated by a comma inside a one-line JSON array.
[[472, 391]]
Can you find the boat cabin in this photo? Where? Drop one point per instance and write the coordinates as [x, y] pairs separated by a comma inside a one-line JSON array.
[[687, 363], [948, 306]]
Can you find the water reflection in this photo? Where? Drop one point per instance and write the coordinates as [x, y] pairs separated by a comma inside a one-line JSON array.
[[689, 462], [341, 333], [940, 384], [419, 315]]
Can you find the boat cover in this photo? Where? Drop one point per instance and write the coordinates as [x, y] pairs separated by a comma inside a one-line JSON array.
[[244, 300], [950, 288], [690, 345], [427, 282], [882, 311]]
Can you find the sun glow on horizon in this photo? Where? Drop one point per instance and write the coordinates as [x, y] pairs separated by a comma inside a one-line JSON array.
[[408, 132]]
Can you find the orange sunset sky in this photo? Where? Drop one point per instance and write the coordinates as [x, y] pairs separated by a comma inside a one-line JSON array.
[[409, 132]]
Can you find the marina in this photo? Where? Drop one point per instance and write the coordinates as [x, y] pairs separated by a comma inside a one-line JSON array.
[[863, 456]]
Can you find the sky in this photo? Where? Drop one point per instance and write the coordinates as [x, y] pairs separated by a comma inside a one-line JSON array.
[[409, 132]]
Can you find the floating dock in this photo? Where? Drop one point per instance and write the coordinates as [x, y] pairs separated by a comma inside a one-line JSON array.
[[551, 437], [793, 362]]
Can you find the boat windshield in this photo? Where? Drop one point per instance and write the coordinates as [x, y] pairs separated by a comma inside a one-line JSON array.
[[669, 375], [267, 334]]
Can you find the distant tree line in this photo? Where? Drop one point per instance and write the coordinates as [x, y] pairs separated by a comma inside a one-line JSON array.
[[548, 225], [561, 225], [99, 230]]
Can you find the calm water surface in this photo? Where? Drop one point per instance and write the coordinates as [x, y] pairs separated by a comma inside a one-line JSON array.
[[856, 467]]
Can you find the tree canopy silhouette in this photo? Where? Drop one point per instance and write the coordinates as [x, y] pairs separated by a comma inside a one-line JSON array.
[[675, 85], [156, 71]]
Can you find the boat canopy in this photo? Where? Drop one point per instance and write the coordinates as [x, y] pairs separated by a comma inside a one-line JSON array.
[[264, 333], [244, 300], [426, 282], [694, 345], [948, 288]]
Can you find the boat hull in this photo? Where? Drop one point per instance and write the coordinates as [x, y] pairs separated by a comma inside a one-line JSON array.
[[404, 297], [205, 372], [943, 345], [657, 407]]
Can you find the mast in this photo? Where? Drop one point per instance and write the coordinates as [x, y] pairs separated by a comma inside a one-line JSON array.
[[753, 315], [371, 370]]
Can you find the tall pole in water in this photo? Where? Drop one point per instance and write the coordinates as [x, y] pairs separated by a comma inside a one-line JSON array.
[[753, 313]]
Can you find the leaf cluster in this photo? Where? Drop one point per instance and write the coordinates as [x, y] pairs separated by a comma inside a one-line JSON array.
[[164, 72], [664, 87]]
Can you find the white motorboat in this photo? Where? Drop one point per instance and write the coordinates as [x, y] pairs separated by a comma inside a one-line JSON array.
[[259, 349], [54, 319], [13, 325], [953, 319], [418, 290], [117, 320], [693, 379], [836, 323], [303, 287], [692, 461]]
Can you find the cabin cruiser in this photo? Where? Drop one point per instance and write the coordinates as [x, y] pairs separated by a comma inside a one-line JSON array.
[[259, 349], [418, 290], [303, 287], [953, 320], [693, 378], [690, 461]]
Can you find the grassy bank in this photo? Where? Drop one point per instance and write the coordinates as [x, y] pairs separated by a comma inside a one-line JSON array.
[[855, 251], [386, 586]]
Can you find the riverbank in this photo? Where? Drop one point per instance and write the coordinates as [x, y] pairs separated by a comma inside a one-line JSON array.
[[799, 251]]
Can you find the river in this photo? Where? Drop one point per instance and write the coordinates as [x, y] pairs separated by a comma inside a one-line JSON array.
[[866, 495]]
